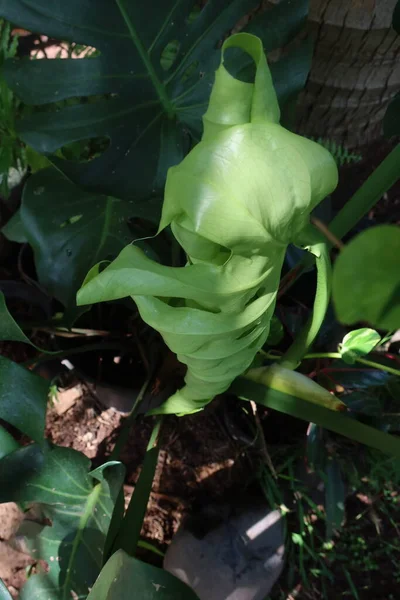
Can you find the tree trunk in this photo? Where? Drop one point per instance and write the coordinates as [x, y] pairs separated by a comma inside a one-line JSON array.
[[355, 71]]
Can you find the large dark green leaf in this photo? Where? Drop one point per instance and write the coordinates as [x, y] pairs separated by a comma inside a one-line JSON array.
[[7, 443], [154, 72], [126, 578], [70, 230], [23, 399], [366, 279], [314, 413], [76, 505], [9, 329], [17, 470]]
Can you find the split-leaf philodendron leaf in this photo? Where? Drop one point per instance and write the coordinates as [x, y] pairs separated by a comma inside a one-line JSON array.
[[234, 204]]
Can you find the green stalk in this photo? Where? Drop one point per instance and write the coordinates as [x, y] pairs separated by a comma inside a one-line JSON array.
[[294, 355], [337, 355], [129, 531]]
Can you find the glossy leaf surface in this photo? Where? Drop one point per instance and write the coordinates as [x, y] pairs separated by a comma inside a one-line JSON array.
[[76, 506], [23, 399], [366, 279], [320, 415], [70, 230], [150, 82], [358, 343], [126, 578], [9, 329]]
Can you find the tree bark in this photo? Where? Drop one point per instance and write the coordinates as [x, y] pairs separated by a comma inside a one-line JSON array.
[[355, 71]]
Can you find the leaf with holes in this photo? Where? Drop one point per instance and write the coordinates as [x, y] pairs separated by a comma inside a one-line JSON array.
[[70, 230], [76, 506], [148, 87], [23, 399], [127, 578]]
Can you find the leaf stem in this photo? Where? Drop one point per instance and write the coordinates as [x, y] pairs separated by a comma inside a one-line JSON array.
[[294, 355], [158, 85], [129, 532], [123, 435], [337, 355]]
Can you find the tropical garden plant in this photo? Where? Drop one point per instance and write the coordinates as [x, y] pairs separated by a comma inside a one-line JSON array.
[[169, 173]]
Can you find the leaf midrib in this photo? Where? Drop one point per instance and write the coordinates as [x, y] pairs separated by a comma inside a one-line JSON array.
[[157, 84], [87, 513]]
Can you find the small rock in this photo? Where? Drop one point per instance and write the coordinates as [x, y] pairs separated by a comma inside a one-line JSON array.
[[241, 559], [67, 398]]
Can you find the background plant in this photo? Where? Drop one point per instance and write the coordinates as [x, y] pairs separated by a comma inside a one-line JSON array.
[[139, 100]]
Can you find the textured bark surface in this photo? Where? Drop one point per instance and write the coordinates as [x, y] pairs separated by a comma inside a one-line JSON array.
[[355, 72]]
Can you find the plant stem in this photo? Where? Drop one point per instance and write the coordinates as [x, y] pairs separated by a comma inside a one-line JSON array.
[[337, 355], [129, 532], [294, 355], [60, 354], [123, 436], [375, 365]]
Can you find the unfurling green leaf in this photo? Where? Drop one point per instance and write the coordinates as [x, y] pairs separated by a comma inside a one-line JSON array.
[[366, 279], [234, 204], [358, 343]]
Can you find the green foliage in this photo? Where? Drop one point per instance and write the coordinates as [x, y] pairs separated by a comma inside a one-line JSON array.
[[147, 112], [70, 229], [316, 413], [358, 343], [335, 497], [7, 443], [23, 399], [77, 504], [226, 294], [366, 279], [9, 329], [11, 152], [128, 535], [110, 126], [127, 578]]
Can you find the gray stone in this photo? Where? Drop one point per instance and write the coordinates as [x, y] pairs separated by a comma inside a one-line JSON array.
[[241, 559]]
